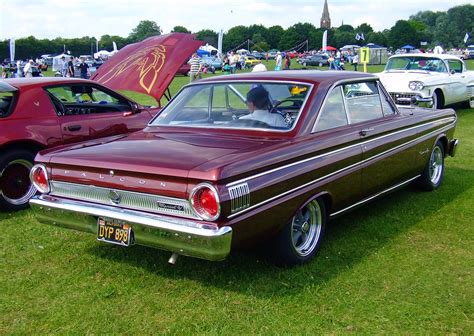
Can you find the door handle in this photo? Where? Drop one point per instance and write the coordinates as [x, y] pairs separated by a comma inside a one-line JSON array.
[[364, 131], [73, 128]]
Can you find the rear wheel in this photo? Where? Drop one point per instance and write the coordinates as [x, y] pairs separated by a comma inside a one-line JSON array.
[[433, 173], [15, 186], [300, 239]]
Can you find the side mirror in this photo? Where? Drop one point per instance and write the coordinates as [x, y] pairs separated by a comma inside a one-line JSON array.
[[419, 101], [452, 71], [135, 107]]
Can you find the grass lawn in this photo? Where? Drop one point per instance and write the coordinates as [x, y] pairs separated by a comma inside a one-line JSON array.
[[400, 265]]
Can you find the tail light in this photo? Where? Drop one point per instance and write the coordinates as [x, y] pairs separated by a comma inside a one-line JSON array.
[[205, 201], [39, 178]]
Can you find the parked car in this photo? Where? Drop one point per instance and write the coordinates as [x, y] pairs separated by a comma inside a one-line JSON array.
[[250, 61], [314, 60], [258, 55], [442, 78], [216, 62], [470, 52], [40, 113], [209, 175]]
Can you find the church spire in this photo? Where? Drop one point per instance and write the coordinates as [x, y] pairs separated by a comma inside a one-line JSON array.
[[325, 19]]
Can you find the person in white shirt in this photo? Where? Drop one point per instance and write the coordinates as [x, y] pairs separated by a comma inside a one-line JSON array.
[[258, 103], [28, 69], [278, 61]]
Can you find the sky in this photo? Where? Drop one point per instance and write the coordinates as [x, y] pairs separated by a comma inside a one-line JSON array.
[[69, 19]]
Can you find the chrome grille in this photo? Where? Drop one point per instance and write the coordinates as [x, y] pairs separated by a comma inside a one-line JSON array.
[[402, 98], [124, 199], [239, 197]]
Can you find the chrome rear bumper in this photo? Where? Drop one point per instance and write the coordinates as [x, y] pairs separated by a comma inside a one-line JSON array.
[[181, 236]]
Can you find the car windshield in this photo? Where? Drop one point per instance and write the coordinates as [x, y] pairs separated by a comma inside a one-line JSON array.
[[242, 105], [416, 63]]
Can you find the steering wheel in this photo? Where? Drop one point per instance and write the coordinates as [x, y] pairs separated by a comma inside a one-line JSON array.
[[295, 103]]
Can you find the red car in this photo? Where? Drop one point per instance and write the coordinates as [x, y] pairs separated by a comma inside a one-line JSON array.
[[237, 159], [40, 113]]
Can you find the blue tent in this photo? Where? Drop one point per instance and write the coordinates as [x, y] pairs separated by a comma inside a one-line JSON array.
[[202, 53], [408, 47]]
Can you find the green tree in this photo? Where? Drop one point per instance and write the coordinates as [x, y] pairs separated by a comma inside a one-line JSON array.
[[403, 33], [180, 29], [208, 36], [273, 37], [289, 39], [144, 29], [364, 28], [234, 37]]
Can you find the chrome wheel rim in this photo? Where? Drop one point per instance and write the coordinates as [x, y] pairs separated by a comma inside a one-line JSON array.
[[436, 165], [306, 228], [16, 187]]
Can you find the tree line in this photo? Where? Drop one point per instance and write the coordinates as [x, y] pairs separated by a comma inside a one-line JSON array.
[[435, 28]]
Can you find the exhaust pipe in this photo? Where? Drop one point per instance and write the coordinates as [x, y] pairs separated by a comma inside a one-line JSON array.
[[173, 258]]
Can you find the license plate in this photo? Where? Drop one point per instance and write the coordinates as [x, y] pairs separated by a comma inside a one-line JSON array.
[[113, 231]]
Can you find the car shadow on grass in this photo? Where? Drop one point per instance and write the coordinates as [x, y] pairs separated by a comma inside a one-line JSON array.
[[348, 240]]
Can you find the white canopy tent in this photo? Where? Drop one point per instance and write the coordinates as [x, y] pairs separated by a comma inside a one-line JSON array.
[[103, 54], [210, 49], [57, 61]]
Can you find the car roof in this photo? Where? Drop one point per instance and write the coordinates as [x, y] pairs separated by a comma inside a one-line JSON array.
[[429, 55], [314, 76], [44, 81]]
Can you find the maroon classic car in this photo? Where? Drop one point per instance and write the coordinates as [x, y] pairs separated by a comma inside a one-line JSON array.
[[236, 159], [45, 112]]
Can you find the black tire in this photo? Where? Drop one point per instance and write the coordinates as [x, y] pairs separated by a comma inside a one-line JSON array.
[[433, 173], [15, 186], [300, 239], [438, 100]]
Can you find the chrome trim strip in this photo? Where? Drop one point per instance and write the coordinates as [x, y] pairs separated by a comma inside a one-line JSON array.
[[246, 179], [128, 199], [328, 175], [374, 196]]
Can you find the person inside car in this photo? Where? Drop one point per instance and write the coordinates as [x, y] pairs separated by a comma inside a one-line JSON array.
[[258, 103]]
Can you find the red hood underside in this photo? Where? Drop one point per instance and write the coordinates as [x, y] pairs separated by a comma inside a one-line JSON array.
[[148, 66]]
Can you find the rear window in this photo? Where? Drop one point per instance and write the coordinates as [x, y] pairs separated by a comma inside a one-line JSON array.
[[6, 103]]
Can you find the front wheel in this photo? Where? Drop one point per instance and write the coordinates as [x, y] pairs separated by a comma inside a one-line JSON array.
[[301, 238], [15, 186], [433, 173]]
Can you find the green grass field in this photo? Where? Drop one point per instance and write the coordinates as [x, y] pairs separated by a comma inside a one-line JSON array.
[[400, 265]]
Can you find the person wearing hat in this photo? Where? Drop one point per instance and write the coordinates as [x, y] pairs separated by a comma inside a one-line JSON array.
[[278, 61], [258, 103]]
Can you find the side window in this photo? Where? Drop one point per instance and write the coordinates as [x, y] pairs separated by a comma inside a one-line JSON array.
[[333, 113], [455, 65], [387, 105], [363, 101], [85, 99]]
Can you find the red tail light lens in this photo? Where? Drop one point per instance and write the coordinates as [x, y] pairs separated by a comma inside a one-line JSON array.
[[205, 201], [39, 178]]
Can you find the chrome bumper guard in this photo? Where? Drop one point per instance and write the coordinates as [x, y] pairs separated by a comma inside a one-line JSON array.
[[181, 236]]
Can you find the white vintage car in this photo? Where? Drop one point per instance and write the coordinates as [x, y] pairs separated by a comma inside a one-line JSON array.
[[435, 78]]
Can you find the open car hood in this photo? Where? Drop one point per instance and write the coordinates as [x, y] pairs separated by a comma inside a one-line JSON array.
[[148, 66]]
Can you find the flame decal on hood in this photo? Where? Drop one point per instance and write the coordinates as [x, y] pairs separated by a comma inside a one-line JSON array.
[[148, 61]]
